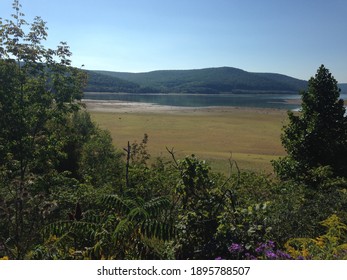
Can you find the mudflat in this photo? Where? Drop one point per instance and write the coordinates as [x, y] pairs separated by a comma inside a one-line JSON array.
[[251, 136], [115, 106]]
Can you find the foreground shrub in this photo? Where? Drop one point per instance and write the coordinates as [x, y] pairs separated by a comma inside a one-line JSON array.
[[330, 246]]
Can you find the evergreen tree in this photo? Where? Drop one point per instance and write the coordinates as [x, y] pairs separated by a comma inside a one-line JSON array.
[[317, 136]]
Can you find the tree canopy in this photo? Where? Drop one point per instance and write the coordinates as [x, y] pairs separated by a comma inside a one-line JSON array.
[[317, 135], [38, 91]]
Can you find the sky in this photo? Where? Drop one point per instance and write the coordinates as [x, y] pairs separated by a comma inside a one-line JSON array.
[[291, 37]]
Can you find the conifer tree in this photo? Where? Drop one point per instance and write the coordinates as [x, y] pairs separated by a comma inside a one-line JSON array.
[[317, 135]]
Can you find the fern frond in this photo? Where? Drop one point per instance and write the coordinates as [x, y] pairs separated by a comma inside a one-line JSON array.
[[156, 206], [122, 228], [74, 227], [157, 229], [138, 214], [121, 204]]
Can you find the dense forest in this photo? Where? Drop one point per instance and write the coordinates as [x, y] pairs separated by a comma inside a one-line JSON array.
[[67, 193], [209, 81]]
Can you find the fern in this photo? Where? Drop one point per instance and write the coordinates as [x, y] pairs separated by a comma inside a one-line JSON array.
[[114, 201], [126, 226], [77, 228], [157, 205]]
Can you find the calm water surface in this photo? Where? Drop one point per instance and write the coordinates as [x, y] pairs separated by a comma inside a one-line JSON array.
[[260, 100]]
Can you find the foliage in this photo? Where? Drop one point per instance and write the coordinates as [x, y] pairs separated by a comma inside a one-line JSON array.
[[263, 251], [315, 167], [329, 246], [100, 163], [317, 136], [245, 226], [125, 228], [104, 83], [209, 81], [38, 88], [67, 193], [199, 200], [146, 177], [77, 130], [140, 222], [297, 210]]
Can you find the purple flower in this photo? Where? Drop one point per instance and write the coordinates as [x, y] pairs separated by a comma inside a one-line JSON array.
[[283, 256], [271, 255], [235, 248], [271, 244], [261, 248], [250, 257], [219, 259]]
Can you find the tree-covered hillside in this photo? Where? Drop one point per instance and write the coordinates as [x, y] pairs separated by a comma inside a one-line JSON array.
[[209, 80], [99, 82], [105, 83]]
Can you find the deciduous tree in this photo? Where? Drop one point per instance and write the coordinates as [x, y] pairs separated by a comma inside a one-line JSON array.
[[38, 87]]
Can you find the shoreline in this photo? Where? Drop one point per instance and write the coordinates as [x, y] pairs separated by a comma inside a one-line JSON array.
[[117, 106]]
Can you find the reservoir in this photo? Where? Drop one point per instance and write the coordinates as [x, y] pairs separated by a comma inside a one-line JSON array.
[[257, 100]]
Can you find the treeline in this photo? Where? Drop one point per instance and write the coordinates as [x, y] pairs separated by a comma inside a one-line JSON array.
[[98, 82], [208, 81], [67, 193]]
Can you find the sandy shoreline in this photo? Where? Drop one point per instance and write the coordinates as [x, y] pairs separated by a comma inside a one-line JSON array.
[[115, 106]]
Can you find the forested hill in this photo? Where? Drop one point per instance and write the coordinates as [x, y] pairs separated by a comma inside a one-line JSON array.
[[209, 80]]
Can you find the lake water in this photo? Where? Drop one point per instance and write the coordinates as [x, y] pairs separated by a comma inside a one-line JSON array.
[[259, 100]]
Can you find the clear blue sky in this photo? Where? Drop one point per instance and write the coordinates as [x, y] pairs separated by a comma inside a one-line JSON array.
[[292, 37]]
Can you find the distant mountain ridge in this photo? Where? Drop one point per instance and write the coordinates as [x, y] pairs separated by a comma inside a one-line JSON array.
[[207, 80]]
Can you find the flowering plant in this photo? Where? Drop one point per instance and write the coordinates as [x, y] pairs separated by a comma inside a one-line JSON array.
[[264, 251]]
